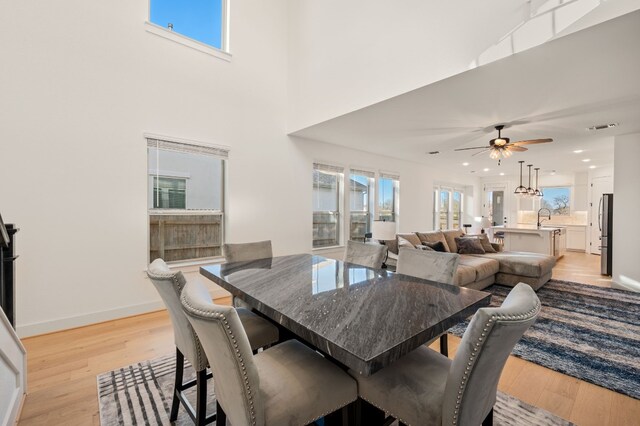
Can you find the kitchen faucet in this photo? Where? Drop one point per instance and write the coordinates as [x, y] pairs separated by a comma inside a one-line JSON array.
[[548, 216]]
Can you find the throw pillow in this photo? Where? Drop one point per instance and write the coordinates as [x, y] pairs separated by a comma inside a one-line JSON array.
[[469, 245], [424, 247], [486, 245], [436, 246], [404, 243]]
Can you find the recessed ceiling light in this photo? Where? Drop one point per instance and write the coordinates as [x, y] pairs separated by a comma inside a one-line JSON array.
[[592, 167], [465, 164], [578, 151], [602, 126], [586, 160], [501, 173], [485, 170], [553, 172]]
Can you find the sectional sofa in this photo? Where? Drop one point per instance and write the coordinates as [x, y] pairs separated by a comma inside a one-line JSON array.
[[478, 271]]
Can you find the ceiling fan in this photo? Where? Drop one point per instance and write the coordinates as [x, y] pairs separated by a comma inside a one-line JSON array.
[[502, 147]]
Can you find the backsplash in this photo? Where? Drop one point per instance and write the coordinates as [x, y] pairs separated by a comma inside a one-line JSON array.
[[576, 218]]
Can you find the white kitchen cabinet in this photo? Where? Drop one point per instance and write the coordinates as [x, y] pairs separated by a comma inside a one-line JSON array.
[[576, 238]]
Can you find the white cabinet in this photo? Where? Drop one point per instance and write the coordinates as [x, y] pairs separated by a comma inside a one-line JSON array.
[[576, 238]]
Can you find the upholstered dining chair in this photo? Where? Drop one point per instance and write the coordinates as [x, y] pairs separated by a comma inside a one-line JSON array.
[[433, 266], [288, 384], [426, 388], [239, 252], [370, 255], [170, 284]]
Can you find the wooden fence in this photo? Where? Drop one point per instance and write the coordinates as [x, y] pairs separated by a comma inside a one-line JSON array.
[[185, 236]]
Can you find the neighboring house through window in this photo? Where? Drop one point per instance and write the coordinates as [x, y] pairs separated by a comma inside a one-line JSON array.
[[327, 205], [186, 200], [361, 196]]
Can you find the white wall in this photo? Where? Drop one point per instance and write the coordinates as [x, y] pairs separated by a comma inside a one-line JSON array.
[[84, 80], [346, 55], [626, 206]]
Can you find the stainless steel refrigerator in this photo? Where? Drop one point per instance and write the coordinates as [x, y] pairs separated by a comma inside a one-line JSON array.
[[606, 228]]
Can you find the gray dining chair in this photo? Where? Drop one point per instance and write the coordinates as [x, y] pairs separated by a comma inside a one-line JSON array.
[[169, 285], [288, 384], [369, 255], [430, 265], [426, 388], [240, 252]]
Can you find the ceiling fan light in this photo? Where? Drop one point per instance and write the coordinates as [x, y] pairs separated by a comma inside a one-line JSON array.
[[499, 142], [507, 153]]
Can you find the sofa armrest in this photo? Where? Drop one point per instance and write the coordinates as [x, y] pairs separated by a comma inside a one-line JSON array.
[[497, 247]]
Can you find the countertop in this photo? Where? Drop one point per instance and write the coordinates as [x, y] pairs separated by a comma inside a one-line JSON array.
[[530, 228]]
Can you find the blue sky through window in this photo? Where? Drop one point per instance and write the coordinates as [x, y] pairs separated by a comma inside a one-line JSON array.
[[200, 20]]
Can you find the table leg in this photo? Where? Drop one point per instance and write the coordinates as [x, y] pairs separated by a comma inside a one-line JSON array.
[[368, 415]]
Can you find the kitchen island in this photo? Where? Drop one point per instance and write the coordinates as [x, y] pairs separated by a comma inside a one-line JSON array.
[[550, 240]]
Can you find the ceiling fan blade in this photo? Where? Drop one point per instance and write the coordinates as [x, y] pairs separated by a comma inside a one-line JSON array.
[[531, 141], [482, 152], [475, 147], [516, 148]]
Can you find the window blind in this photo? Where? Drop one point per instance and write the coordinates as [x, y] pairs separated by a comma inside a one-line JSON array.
[[386, 175], [328, 168], [363, 173], [188, 148]]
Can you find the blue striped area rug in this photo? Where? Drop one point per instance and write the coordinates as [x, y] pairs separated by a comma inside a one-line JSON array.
[[587, 332], [140, 394]]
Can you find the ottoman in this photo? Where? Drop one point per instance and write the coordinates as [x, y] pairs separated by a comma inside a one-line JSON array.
[[515, 267]]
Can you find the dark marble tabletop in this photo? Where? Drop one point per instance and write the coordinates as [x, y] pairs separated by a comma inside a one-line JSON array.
[[363, 318]]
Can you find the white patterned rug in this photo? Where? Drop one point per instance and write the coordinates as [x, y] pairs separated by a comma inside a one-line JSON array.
[[140, 394]]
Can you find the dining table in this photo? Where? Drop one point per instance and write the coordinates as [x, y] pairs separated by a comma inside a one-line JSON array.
[[361, 318]]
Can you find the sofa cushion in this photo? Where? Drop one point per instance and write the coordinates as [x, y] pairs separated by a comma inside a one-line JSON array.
[[392, 245], [433, 237], [523, 263], [483, 266], [403, 243], [469, 245], [465, 275], [450, 237], [411, 237]]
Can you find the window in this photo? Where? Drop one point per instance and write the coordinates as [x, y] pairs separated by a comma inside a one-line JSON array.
[[361, 184], [327, 205], [388, 200], [201, 20], [447, 208], [557, 200], [169, 193], [186, 200]]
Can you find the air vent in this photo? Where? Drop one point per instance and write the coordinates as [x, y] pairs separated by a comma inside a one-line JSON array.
[[434, 152], [602, 126]]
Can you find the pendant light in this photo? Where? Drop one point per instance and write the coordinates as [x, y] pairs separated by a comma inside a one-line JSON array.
[[530, 191], [538, 192], [521, 190]]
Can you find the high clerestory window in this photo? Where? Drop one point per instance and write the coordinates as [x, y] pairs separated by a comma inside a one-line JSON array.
[[201, 24]]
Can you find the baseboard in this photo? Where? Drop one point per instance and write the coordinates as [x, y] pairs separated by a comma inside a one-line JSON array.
[[33, 329]]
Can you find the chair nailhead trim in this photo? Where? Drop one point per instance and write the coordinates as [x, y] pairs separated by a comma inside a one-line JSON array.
[[327, 413], [239, 358], [472, 359]]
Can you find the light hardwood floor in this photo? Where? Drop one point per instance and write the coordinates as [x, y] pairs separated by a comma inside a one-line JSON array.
[[62, 368]]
